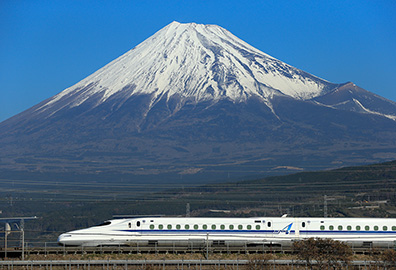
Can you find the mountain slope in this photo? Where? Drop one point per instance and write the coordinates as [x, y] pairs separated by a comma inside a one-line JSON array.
[[353, 98], [191, 62], [196, 100]]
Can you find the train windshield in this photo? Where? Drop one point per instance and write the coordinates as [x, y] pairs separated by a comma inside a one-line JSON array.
[[104, 224]]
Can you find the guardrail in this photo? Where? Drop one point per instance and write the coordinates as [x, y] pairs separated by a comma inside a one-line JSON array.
[[174, 264], [174, 247]]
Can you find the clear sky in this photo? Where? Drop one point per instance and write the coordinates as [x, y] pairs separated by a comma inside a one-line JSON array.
[[47, 46]]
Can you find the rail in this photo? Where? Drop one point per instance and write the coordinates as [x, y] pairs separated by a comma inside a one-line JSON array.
[[174, 247]]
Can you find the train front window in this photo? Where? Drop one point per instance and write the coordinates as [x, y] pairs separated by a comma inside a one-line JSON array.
[[104, 224]]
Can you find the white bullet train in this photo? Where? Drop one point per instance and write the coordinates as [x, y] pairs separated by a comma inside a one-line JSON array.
[[358, 232]]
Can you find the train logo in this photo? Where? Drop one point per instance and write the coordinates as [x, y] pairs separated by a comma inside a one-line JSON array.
[[285, 230]]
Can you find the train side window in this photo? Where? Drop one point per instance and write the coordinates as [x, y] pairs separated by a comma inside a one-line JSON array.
[[129, 225], [384, 228], [204, 226], [152, 226], [331, 227], [375, 228], [186, 226], [349, 228], [231, 227], [213, 226], [196, 227], [258, 227], [240, 227], [138, 224], [358, 228], [222, 226], [303, 224], [160, 226], [393, 228], [340, 228], [322, 227], [367, 228], [269, 224], [178, 226], [249, 227], [169, 226]]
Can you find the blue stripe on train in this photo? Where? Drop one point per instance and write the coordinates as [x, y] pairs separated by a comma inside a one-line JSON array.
[[262, 231]]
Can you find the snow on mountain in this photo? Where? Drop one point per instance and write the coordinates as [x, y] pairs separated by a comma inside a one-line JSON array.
[[195, 98], [353, 98], [196, 62]]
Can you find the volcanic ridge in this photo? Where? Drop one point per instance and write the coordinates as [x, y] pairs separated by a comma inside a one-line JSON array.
[[194, 100]]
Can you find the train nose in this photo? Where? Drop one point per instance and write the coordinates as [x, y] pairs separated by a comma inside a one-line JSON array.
[[64, 239]]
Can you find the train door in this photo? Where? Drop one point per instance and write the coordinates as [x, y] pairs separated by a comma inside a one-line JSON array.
[[297, 228], [135, 225], [270, 227], [304, 227]]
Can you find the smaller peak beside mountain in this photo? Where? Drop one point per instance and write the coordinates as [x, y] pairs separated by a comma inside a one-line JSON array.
[[349, 96]]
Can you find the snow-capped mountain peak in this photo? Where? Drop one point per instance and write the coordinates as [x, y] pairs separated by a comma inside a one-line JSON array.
[[194, 98], [194, 61]]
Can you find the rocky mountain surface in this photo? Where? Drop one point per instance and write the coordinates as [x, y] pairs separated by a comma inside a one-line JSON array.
[[195, 101]]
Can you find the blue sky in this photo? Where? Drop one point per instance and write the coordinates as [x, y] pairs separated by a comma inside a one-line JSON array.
[[47, 46]]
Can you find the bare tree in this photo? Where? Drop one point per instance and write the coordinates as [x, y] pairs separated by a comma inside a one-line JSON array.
[[323, 252]]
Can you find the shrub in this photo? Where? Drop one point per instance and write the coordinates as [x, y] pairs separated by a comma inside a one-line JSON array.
[[323, 252]]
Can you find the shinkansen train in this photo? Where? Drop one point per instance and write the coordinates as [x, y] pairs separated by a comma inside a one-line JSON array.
[[374, 232]]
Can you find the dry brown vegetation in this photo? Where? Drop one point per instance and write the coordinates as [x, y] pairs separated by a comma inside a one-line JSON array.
[[321, 253]]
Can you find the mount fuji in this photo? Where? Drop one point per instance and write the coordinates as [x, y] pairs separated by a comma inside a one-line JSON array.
[[195, 101]]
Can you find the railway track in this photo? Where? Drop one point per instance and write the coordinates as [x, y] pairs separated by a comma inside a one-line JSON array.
[[141, 250], [62, 250]]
